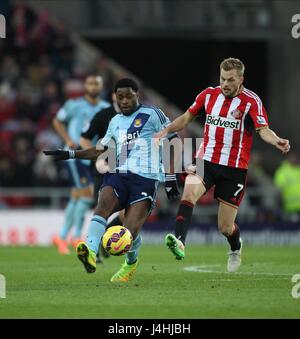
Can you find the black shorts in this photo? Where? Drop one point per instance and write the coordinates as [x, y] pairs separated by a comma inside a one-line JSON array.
[[229, 182]]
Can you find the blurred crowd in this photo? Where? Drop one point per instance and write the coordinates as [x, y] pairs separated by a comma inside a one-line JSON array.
[[39, 70], [35, 61]]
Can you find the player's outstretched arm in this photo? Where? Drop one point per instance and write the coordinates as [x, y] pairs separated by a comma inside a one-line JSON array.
[[177, 125], [87, 154], [271, 137]]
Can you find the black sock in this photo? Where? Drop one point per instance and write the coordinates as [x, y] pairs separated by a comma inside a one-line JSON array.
[[234, 239], [183, 219]]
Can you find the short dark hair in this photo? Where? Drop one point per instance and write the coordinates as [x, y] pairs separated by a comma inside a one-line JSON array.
[[126, 82]]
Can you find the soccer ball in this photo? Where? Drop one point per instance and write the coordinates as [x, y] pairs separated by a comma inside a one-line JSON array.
[[117, 240]]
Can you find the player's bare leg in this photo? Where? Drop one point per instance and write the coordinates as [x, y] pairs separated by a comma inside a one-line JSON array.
[[116, 218], [135, 217], [193, 190], [107, 205], [226, 224]]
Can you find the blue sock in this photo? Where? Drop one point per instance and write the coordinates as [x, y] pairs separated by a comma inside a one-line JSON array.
[[82, 207], [131, 256], [69, 217], [96, 230]]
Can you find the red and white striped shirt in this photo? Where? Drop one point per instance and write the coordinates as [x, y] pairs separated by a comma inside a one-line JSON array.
[[229, 125]]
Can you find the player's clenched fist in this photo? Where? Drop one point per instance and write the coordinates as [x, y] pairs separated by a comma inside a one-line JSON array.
[[283, 145]]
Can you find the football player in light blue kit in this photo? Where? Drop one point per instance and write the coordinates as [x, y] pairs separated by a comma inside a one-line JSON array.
[[134, 182], [69, 122]]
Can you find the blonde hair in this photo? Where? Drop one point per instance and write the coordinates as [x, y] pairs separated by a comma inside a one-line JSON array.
[[233, 63]]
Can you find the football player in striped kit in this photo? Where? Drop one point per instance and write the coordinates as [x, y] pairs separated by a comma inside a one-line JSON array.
[[232, 112]]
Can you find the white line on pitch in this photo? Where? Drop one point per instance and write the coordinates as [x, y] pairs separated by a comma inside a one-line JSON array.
[[211, 269]]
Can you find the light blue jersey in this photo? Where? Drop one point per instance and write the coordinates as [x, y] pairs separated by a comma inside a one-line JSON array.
[[77, 113], [132, 136]]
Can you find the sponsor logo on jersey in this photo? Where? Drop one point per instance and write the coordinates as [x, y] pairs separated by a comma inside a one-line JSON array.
[[223, 122], [138, 122], [129, 137], [261, 120], [236, 114]]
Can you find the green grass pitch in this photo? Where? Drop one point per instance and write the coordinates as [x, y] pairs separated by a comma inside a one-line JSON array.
[[42, 284]]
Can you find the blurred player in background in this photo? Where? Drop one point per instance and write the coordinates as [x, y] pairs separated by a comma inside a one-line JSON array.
[[232, 112], [287, 179], [69, 122], [96, 129], [133, 185]]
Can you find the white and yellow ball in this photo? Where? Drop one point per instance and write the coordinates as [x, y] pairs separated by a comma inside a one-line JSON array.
[[117, 240]]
